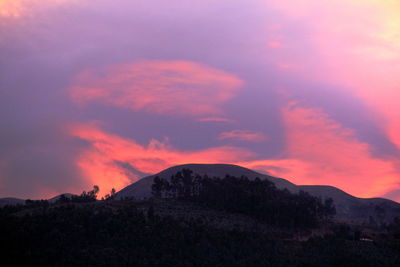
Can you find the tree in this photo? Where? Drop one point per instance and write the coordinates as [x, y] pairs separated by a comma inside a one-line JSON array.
[[93, 193], [187, 180], [157, 187], [87, 196], [257, 198], [111, 195]]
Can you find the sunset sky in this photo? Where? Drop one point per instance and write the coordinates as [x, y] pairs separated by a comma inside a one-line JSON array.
[[106, 91]]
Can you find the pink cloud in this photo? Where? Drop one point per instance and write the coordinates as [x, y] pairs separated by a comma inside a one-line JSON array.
[[274, 44], [181, 88], [356, 45], [99, 164], [243, 135], [321, 151]]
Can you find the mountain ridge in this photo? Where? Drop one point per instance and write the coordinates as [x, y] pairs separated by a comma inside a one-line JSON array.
[[348, 207]]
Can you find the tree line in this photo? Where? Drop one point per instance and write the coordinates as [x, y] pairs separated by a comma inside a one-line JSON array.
[[257, 198]]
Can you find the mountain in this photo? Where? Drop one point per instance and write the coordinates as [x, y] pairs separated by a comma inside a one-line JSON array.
[[54, 199], [348, 207]]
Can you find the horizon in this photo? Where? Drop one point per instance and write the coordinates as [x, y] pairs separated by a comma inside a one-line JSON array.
[[183, 165], [105, 92]]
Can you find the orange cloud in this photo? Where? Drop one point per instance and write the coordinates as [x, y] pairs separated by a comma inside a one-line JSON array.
[[243, 135], [321, 151], [163, 87], [10, 8], [357, 45], [18, 8], [102, 163]]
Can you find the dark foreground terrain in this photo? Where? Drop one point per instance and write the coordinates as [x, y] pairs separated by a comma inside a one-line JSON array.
[[193, 221]]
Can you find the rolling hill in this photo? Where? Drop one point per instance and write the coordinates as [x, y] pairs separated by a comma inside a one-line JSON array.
[[348, 207]]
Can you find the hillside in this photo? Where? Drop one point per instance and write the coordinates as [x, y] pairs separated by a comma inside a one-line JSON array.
[[7, 201], [177, 233], [193, 221], [348, 207]]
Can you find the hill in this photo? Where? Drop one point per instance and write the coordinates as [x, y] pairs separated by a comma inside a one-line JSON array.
[[195, 221], [348, 207], [10, 201], [165, 232]]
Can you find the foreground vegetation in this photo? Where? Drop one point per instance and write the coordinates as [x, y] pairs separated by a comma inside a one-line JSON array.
[[194, 222]]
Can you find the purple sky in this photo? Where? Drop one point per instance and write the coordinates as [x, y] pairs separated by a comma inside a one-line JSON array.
[[103, 92]]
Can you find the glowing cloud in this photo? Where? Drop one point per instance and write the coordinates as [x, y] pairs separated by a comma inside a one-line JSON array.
[[356, 44], [243, 135], [163, 87], [321, 151], [18, 8], [104, 163], [10, 8]]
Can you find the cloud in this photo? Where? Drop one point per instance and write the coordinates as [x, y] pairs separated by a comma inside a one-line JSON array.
[[274, 44], [331, 46], [321, 151], [353, 44], [18, 8], [318, 150], [243, 135], [216, 119], [181, 88], [100, 164]]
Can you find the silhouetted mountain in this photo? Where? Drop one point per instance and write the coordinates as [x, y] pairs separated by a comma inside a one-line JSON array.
[[348, 207], [67, 195]]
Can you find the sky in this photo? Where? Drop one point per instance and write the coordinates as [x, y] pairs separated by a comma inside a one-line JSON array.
[[101, 92]]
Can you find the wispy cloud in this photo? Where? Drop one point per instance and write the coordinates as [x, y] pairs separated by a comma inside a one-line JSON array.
[[356, 45], [322, 151], [181, 88], [318, 150], [243, 135], [100, 163]]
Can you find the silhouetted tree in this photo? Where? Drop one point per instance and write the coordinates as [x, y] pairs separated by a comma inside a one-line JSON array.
[[257, 198], [111, 195], [156, 187], [89, 196]]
